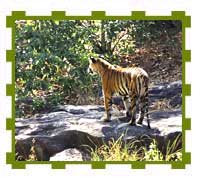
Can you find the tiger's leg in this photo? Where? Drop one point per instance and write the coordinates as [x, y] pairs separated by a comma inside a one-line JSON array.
[[148, 120], [144, 109], [127, 106], [108, 105], [133, 108]]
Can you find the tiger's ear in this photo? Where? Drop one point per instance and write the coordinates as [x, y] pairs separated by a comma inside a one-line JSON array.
[[93, 59]]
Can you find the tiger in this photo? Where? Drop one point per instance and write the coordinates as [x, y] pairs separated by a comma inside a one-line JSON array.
[[131, 83]]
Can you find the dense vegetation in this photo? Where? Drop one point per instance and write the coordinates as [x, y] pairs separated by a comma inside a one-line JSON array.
[[52, 57], [116, 150]]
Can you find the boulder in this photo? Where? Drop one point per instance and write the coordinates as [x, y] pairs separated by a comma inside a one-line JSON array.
[[57, 131], [70, 155]]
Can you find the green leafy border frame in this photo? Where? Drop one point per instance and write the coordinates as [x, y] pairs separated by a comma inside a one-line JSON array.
[[97, 15]]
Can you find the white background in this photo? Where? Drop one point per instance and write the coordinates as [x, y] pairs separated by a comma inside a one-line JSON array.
[[115, 7]]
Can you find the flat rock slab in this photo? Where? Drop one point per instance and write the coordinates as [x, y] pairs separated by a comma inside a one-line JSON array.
[[70, 155], [52, 124], [76, 126]]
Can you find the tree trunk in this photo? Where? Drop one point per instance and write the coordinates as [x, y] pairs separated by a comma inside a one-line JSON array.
[[103, 37]]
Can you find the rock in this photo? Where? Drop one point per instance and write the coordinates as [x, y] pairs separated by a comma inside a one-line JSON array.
[[169, 91], [70, 131], [70, 155], [176, 101], [58, 131]]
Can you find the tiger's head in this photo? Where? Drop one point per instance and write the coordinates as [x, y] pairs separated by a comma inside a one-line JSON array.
[[99, 65], [94, 66]]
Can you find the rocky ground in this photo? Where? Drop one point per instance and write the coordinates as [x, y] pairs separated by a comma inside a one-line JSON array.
[[62, 135]]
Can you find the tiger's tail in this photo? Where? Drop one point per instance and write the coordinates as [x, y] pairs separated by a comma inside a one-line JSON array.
[[146, 96], [147, 108]]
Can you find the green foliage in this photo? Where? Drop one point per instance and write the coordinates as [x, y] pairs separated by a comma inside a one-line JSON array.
[[114, 38], [153, 153], [33, 150], [51, 61], [117, 150], [148, 31], [52, 57]]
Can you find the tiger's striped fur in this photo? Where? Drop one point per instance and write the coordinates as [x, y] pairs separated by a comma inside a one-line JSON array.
[[131, 83]]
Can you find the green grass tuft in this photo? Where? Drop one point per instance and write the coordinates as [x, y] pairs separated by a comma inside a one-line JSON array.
[[117, 150]]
